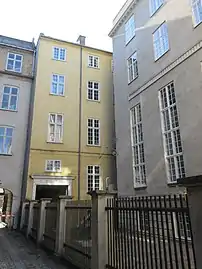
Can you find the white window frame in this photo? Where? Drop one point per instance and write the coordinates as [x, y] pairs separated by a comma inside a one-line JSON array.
[[154, 5], [10, 96], [129, 29], [93, 132], [58, 84], [94, 57], [53, 165], [140, 177], [93, 175], [9, 152], [59, 58], [174, 150], [14, 60], [93, 90], [160, 41], [55, 124], [197, 17], [132, 67]]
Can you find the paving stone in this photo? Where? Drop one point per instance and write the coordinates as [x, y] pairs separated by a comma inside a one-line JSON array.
[[16, 252]]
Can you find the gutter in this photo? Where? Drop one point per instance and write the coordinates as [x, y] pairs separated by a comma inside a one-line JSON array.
[[80, 114]]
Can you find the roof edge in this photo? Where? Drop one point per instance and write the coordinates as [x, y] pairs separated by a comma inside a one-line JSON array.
[[73, 43], [121, 15]]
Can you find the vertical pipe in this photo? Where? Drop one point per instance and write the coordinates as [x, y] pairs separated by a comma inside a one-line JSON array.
[[80, 114]]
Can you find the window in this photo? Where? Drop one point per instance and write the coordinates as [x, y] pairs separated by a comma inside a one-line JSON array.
[[130, 29], [9, 98], [6, 134], [93, 91], [132, 67], [14, 62], [93, 61], [58, 84], [155, 5], [55, 130], [93, 177], [93, 132], [59, 54], [53, 166], [197, 11], [171, 134], [160, 41], [138, 147]]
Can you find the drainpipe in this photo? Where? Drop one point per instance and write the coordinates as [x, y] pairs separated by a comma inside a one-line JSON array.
[[80, 114]]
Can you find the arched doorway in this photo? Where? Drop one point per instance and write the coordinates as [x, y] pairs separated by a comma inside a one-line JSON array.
[[6, 201]]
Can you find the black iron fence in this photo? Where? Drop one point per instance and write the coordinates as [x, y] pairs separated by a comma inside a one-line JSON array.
[[150, 232]]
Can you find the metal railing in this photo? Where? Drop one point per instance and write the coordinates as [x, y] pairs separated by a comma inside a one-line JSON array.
[[77, 243], [150, 233]]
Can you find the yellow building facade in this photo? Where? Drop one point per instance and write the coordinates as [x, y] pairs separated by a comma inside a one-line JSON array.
[[72, 136]]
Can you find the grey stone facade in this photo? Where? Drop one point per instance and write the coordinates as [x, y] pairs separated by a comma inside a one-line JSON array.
[[12, 162], [182, 65]]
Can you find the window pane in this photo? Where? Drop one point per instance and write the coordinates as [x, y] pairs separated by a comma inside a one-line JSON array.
[[13, 103], [90, 94], [7, 89], [17, 66], [7, 145], [54, 88], [18, 57], [5, 101], [10, 64], [14, 91], [61, 89]]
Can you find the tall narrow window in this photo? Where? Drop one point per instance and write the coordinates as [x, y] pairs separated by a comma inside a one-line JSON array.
[[93, 132], [59, 54], [58, 84], [171, 134], [93, 91], [9, 98], [6, 134], [138, 147], [155, 5], [132, 67], [197, 11], [14, 62], [160, 41], [130, 29], [55, 129], [93, 177]]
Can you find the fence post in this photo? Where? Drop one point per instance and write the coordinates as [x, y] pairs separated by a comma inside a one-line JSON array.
[[99, 228], [30, 217], [22, 220], [194, 193], [42, 219], [60, 225]]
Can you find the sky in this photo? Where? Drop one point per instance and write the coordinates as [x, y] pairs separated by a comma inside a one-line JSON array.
[[63, 19]]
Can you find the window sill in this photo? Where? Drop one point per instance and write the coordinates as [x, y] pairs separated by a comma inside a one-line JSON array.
[[196, 25], [141, 187], [94, 67], [8, 110], [59, 95], [156, 60], [172, 184], [13, 71], [132, 80], [6, 155], [97, 146], [51, 142], [94, 101], [59, 60], [55, 172], [152, 14], [126, 44]]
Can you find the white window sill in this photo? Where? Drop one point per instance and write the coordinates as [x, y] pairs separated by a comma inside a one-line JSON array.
[[152, 14], [59, 60], [53, 142], [126, 43], [129, 82], [89, 145], [196, 25], [98, 68], [10, 110], [172, 183], [94, 101], [156, 59], [48, 171], [6, 154], [60, 95], [140, 187], [13, 71]]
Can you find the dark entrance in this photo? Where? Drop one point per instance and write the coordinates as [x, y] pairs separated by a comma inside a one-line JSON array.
[[50, 191]]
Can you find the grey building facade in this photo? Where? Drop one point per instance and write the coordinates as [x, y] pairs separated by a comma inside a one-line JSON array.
[[157, 47], [16, 76]]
